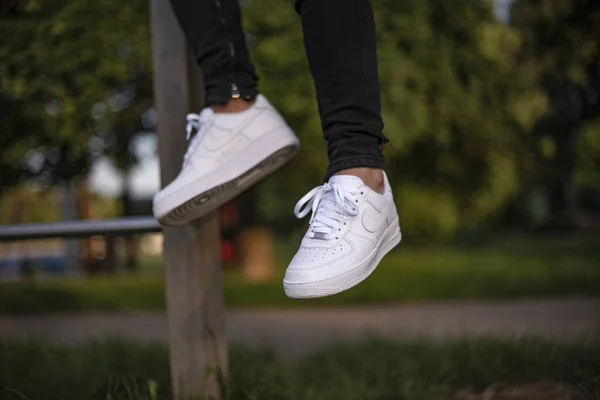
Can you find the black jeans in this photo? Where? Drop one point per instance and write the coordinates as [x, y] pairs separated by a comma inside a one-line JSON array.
[[339, 38]]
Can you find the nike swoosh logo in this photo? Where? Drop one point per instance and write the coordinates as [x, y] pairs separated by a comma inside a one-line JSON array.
[[217, 138], [372, 220]]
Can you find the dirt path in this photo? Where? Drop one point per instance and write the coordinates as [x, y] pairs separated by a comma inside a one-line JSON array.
[[297, 332]]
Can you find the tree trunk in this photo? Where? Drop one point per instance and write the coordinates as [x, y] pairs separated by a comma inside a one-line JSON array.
[[131, 250], [131, 242], [562, 198], [69, 212], [85, 211], [110, 256]]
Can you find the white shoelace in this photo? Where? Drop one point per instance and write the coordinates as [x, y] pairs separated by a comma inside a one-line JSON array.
[[330, 204], [197, 122]]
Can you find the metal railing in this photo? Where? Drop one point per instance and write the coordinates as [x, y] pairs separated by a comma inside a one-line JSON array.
[[73, 229]]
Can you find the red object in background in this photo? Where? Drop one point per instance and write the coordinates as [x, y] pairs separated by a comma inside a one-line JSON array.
[[228, 214], [228, 253], [229, 217]]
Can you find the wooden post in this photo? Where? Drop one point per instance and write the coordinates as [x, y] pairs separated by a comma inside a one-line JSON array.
[[195, 307]]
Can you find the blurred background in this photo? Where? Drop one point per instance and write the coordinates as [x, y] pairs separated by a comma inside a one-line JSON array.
[[491, 107]]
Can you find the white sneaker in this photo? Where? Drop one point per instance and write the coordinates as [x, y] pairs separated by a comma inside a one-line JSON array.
[[229, 153], [352, 227]]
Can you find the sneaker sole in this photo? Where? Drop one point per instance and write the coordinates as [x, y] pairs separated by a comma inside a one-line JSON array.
[[211, 199], [389, 240]]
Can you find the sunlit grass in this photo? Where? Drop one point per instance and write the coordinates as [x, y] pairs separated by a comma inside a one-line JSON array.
[[507, 268]]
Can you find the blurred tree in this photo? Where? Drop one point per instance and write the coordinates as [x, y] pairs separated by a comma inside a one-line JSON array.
[[561, 44], [587, 171], [460, 92], [72, 85], [454, 110]]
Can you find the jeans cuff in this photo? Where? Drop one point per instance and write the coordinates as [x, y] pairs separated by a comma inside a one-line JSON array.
[[340, 165]]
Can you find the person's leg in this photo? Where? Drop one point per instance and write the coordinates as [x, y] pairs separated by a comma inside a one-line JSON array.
[[339, 36], [213, 29], [239, 137], [354, 221]]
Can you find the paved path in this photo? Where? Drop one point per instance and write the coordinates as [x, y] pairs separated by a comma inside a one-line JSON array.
[[297, 332]]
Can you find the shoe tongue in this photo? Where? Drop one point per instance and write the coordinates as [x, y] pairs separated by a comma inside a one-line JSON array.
[[346, 180]]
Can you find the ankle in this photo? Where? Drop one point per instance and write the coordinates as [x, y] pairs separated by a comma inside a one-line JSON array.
[[372, 177], [233, 106]]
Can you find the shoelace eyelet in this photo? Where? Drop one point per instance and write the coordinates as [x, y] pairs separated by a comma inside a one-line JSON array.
[[326, 217]]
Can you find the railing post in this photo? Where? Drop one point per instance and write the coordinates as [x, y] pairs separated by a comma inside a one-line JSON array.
[[195, 308]]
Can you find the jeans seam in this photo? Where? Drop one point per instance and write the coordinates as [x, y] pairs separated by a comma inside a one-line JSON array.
[[230, 47]]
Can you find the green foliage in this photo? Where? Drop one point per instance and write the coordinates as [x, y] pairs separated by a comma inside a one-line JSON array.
[[447, 73], [561, 45], [587, 167], [374, 370], [461, 94], [448, 96], [71, 71], [415, 204], [20, 205], [560, 37], [29, 204]]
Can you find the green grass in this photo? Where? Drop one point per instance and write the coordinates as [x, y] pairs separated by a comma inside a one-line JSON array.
[[512, 267], [376, 370]]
